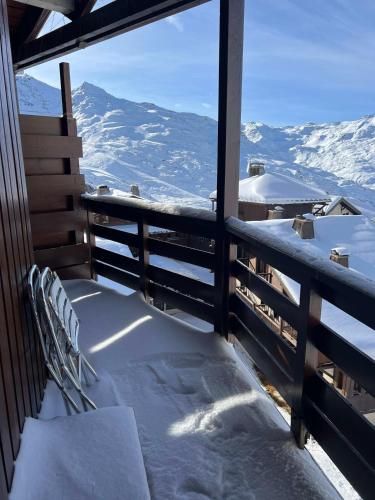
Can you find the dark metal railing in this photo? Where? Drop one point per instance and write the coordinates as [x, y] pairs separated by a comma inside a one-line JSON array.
[[344, 433]]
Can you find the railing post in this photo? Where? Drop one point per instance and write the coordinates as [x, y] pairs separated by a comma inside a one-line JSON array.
[[70, 125], [70, 129], [228, 157], [306, 355], [144, 257]]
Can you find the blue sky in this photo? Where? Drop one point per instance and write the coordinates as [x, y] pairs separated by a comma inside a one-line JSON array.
[[304, 61]]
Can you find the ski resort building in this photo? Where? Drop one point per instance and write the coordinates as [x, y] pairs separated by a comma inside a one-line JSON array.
[[265, 195], [140, 404], [340, 206]]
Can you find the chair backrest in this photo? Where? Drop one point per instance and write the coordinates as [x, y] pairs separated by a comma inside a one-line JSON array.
[[57, 335], [32, 283], [32, 288], [63, 308], [49, 302]]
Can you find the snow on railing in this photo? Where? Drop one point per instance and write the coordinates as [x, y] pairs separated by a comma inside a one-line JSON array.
[[153, 206]]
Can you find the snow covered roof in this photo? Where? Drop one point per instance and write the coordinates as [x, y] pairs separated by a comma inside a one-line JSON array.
[[356, 233], [335, 200], [277, 188]]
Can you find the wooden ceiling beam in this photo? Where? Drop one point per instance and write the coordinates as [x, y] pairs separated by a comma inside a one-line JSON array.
[[64, 6], [113, 19], [29, 27], [35, 18], [82, 7]]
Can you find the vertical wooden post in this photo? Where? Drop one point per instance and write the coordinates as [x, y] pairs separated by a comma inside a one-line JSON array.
[[144, 257], [72, 163], [306, 356], [228, 152], [67, 108], [70, 125]]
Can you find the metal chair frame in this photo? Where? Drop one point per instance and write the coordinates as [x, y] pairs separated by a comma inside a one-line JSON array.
[[56, 345], [48, 348], [68, 322]]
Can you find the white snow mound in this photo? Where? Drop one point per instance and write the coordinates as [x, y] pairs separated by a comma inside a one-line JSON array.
[[90, 456]]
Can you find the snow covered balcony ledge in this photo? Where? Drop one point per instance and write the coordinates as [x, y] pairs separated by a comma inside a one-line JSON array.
[[316, 406]]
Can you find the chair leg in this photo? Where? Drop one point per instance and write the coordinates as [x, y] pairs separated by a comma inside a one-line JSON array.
[[85, 374], [79, 369], [90, 368], [86, 401], [67, 407], [68, 400]]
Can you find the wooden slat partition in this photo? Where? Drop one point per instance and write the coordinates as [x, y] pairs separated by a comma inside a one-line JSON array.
[[22, 375], [50, 146], [51, 150], [65, 256]]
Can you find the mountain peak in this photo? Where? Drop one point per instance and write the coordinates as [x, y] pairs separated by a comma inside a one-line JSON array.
[[91, 89]]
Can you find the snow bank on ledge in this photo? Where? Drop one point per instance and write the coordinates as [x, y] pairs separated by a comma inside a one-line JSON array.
[[198, 213], [91, 456]]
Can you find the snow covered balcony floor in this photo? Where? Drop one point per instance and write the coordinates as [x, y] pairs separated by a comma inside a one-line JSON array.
[[206, 427]]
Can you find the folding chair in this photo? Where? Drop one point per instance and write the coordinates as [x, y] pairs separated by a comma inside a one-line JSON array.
[[48, 348], [68, 322], [56, 345]]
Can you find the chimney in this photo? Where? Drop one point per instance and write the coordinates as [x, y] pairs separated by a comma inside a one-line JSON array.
[[340, 255], [102, 189], [304, 227], [276, 213], [255, 168], [134, 190]]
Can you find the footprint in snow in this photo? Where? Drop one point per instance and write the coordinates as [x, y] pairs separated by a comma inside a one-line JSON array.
[[192, 489]]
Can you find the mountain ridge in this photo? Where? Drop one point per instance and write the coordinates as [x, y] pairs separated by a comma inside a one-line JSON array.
[[172, 155]]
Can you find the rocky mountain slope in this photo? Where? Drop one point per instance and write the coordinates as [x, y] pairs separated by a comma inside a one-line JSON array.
[[172, 155]]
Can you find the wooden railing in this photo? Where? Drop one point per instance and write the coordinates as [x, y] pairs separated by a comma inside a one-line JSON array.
[[317, 408], [188, 294], [346, 435]]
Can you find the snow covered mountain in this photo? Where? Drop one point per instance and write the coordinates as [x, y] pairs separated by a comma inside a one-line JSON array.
[[167, 154], [36, 97], [172, 155]]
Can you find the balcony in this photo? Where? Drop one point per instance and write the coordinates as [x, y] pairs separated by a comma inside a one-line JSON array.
[[205, 425], [202, 426], [213, 408]]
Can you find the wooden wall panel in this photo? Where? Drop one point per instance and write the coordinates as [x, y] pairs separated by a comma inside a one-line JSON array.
[[51, 150], [22, 374], [45, 166]]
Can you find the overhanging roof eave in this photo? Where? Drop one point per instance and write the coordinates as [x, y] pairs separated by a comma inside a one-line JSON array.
[[111, 20]]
